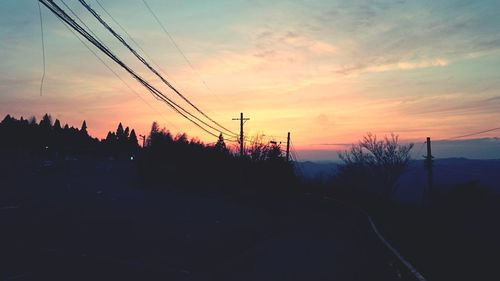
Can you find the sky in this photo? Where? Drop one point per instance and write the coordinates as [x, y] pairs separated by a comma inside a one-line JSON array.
[[327, 71]]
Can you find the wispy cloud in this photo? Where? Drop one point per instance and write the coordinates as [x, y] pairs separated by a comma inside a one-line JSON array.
[[401, 65], [329, 70]]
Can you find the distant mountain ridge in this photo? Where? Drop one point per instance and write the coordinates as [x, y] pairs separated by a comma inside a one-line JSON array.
[[447, 172], [321, 170]]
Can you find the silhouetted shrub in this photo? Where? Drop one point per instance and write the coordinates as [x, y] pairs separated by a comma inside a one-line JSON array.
[[371, 168]]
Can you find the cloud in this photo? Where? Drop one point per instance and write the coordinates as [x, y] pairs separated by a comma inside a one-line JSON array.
[[302, 64], [292, 40], [388, 35], [458, 104], [324, 121], [401, 65]]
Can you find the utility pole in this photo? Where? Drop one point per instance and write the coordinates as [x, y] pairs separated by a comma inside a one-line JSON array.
[[428, 165], [288, 147], [143, 137], [242, 139]]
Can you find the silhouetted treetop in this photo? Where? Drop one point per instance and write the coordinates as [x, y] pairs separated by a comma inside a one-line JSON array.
[[133, 139], [126, 133], [119, 131], [111, 137], [7, 119], [46, 122], [57, 125], [53, 140], [221, 145], [84, 127]]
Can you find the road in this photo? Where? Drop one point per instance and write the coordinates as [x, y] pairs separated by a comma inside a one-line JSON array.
[[90, 220]]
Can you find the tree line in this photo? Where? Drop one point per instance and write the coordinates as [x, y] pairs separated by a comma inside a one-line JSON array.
[[165, 158], [49, 139], [176, 159], [369, 171]]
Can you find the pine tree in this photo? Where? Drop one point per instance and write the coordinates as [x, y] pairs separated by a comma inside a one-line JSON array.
[[155, 128], [221, 145], [119, 132], [84, 128], [8, 119], [153, 134], [110, 138], [32, 120], [133, 139], [57, 125], [44, 131], [182, 139], [46, 122], [126, 133]]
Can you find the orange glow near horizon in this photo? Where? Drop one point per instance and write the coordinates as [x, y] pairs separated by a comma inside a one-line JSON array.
[[320, 77]]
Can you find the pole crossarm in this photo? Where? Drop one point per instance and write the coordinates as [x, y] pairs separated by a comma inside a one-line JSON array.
[[242, 138]]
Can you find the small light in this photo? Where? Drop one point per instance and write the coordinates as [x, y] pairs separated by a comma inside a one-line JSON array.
[[46, 147], [131, 158]]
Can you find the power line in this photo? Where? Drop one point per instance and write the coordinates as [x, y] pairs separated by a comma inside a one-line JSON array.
[[146, 54], [141, 59], [175, 45], [83, 23], [295, 159], [472, 134], [118, 76], [294, 151], [154, 91], [421, 147], [60, 13], [130, 37], [168, 35], [43, 48], [106, 65]]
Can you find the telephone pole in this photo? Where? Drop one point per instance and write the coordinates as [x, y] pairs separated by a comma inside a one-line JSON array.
[[143, 137], [288, 147], [242, 139], [428, 165]]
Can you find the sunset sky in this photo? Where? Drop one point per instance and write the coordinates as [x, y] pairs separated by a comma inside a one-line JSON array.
[[327, 71]]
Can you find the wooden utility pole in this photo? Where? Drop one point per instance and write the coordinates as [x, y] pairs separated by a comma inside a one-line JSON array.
[[242, 138], [143, 137], [288, 147], [428, 165]]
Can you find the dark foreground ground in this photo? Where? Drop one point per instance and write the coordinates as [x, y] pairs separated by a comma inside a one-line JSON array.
[[91, 220]]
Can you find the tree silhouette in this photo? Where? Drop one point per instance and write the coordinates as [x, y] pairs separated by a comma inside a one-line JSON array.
[[44, 139], [111, 138], [258, 150], [182, 139], [274, 152], [133, 140], [46, 122], [7, 119], [57, 125], [221, 145], [375, 163], [155, 128], [84, 128], [180, 159], [126, 133], [120, 132]]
